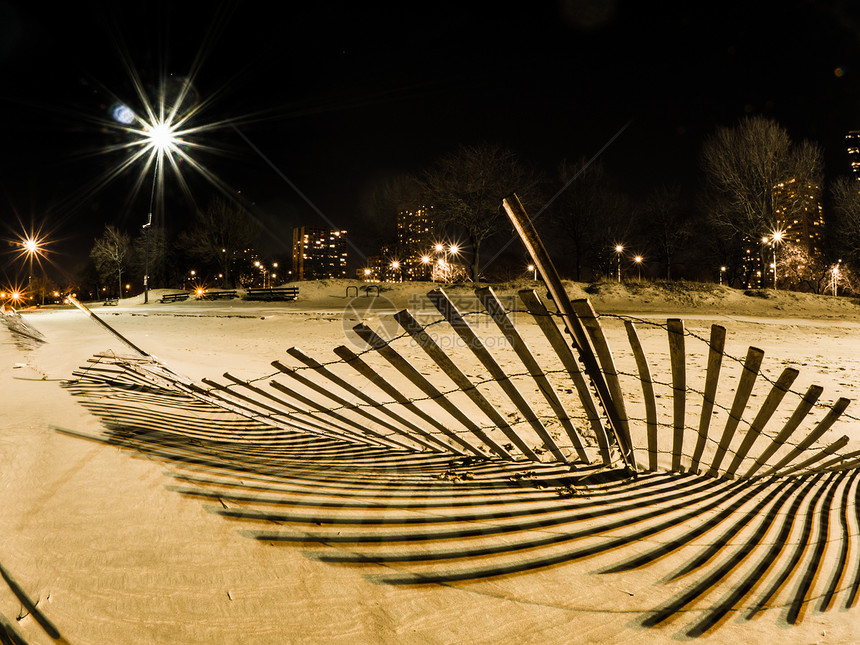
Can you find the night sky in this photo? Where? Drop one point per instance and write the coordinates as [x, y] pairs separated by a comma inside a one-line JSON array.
[[319, 103]]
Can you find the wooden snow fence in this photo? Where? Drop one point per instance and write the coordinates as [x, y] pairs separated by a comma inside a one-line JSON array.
[[489, 437]]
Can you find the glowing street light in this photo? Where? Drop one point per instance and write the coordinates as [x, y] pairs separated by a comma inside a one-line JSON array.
[[533, 269], [619, 249], [835, 274], [722, 271], [775, 239], [638, 260]]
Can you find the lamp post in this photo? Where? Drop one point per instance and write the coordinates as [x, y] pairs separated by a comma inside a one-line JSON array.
[[722, 271], [776, 238], [638, 261], [146, 228], [533, 269], [835, 274], [619, 249]]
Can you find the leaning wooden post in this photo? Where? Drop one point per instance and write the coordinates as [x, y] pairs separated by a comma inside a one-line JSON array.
[[527, 233]]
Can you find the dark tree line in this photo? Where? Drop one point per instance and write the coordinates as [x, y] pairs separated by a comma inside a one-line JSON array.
[[221, 238], [753, 180]]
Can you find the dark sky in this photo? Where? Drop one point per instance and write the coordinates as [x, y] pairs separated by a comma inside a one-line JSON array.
[[327, 98]]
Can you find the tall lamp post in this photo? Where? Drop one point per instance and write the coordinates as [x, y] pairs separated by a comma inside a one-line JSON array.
[[146, 228], [776, 236], [638, 260], [619, 249]]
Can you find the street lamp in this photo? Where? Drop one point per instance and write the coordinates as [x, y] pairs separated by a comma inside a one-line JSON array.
[[396, 266], [619, 249], [722, 271], [777, 238], [638, 261], [835, 274], [533, 269]]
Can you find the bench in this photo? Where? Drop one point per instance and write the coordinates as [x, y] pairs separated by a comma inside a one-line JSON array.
[[281, 293], [175, 297], [110, 301], [220, 295]]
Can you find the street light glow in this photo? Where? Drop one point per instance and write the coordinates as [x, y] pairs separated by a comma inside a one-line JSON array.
[[161, 137]]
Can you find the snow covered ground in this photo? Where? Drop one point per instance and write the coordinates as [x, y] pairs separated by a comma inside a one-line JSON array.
[[100, 540]]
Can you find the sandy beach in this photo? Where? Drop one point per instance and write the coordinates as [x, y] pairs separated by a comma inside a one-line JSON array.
[[113, 546]]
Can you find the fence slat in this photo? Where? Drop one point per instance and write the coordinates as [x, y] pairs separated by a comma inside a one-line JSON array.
[[420, 335], [716, 345], [799, 414], [355, 361], [362, 429], [415, 432], [406, 368], [500, 316], [771, 403], [647, 393], [562, 348], [586, 314], [338, 400], [304, 424], [555, 289], [450, 312], [742, 395], [823, 426], [677, 359]]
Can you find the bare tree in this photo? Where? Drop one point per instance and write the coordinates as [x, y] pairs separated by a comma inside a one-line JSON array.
[[667, 227], [590, 212], [150, 252], [111, 253], [744, 169], [845, 242], [467, 186], [220, 234]]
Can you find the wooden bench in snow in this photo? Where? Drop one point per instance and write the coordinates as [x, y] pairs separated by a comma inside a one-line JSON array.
[[281, 293], [219, 295], [175, 297]]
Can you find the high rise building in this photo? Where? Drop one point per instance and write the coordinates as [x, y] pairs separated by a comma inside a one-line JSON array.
[[318, 253], [799, 214], [415, 242], [799, 223], [853, 142]]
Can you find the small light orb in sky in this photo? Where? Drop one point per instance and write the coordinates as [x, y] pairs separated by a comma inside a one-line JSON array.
[[122, 114], [839, 72]]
